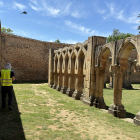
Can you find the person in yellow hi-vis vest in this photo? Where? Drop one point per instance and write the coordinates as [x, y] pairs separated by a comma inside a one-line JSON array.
[[7, 76]]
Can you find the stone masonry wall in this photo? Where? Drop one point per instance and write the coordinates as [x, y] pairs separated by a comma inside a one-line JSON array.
[[28, 57]]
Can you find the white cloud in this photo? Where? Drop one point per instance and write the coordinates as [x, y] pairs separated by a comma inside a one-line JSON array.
[[59, 9], [99, 10], [79, 28], [19, 6], [51, 41], [120, 14], [66, 9], [110, 7], [34, 2], [77, 14], [50, 9], [1, 3], [45, 8], [69, 41], [34, 7]]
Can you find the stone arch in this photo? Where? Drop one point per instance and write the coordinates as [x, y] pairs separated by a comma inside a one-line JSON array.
[[60, 61], [59, 71], [80, 62], [72, 63], [71, 72], [123, 53], [66, 62], [103, 56], [100, 68], [65, 74], [118, 69], [55, 63]]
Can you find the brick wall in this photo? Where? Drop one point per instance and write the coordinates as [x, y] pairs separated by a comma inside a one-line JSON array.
[[28, 57]]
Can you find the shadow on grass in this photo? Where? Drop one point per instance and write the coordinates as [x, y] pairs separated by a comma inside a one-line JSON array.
[[30, 82], [128, 114], [10, 123]]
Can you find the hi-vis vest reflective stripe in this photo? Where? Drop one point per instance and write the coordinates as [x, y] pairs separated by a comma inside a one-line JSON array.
[[6, 80]]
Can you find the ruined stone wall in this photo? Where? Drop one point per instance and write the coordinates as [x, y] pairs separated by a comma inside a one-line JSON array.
[[28, 57], [135, 78]]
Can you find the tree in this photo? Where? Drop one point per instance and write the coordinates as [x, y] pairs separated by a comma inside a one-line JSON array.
[[139, 26], [116, 35], [8, 30], [57, 41]]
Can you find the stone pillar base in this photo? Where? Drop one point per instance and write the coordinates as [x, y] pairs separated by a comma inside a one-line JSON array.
[[58, 88], [117, 111], [54, 86], [82, 98], [51, 86], [77, 95], [137, 119], [69, 92], [99, 103], [64, 89]]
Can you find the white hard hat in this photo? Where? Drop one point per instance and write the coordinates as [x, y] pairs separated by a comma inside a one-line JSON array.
[[8, 66]]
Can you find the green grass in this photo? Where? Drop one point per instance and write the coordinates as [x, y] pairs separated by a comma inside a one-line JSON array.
[[130, 99], [42, 113]]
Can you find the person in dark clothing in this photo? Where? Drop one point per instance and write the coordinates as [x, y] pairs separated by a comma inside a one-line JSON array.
[[7, 76]]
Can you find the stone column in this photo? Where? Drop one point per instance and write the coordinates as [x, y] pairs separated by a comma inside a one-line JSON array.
[[111, 78], [71, 84], [117, 109], [59, 85], [50, 73], [137, 117], [78, 87], [55, 80], [99, 100], [64, 83]]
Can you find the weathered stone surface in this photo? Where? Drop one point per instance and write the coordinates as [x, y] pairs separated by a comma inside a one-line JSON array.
[[117, 111], [137, 119], [64, 89], [83, 74], [69, 92]]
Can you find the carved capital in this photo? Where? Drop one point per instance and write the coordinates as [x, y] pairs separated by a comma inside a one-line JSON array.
[[118, 70], [100, 70]]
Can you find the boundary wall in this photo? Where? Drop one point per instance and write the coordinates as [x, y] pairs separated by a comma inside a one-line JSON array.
[[28, 57]]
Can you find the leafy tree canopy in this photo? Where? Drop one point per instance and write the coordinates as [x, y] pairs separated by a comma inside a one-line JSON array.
[[139, 26], [7, 30], [116, 35], [57, 41]]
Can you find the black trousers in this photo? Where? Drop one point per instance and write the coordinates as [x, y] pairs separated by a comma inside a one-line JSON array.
[[4, 91]]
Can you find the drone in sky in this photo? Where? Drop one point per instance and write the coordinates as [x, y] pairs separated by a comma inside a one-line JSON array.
[[24, 12]]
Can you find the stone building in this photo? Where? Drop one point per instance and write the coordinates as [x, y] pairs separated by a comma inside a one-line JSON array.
[[70, 67]]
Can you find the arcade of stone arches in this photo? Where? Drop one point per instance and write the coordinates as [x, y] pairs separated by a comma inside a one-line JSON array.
[[79, 71]]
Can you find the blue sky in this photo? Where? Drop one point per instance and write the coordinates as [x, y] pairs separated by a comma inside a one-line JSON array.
[[70, 21]]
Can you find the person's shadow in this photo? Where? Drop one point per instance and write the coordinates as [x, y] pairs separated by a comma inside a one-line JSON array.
[[10, 122]]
